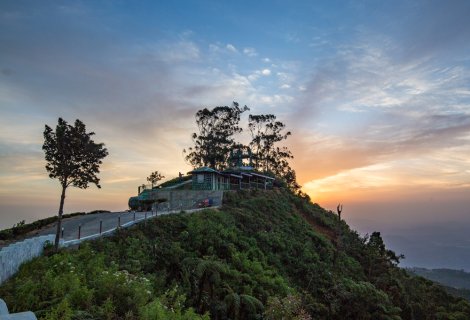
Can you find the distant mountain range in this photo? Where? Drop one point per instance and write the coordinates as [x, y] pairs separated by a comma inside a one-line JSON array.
[[456, 282]]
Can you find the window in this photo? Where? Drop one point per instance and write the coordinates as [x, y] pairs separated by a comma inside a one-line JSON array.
[[200, 178]]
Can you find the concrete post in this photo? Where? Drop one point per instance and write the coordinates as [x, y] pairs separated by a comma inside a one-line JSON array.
[[4, 314], [3, 307]]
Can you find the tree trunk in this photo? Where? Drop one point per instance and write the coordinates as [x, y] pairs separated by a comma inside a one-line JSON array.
[[59, 220]]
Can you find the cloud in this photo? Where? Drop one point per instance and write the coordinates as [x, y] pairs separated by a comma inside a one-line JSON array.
[[439, 29], [270, 100], [370, 79], [214, 47], [258, 73], [432, 170], [251, 52], [379, 143], [266, 72], [231, 48]]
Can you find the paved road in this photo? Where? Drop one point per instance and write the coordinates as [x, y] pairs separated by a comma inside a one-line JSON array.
[[90, 224]]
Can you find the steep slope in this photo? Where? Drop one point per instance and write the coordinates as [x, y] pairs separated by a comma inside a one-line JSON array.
[[264, 254]]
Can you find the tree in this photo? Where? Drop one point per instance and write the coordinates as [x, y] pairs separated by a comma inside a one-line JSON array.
[[215, 139], [241, 306], [266, 131], [73, 158], [378, 258], [287, 308], [155, 177]]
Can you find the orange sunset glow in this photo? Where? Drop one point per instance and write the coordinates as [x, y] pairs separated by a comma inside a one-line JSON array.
[[376, 96]]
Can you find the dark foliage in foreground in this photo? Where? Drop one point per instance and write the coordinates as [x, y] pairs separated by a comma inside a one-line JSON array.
[[264, 255]]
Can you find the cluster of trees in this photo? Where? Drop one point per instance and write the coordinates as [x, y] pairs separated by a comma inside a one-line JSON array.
[[218, 130], [261, 256], [216, 138]]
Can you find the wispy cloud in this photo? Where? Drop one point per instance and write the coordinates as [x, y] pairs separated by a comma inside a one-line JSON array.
[[251, 52], [376, 109], [231, 48]]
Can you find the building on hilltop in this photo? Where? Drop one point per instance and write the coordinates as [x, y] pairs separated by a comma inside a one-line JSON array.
[[205, 178], [202, 181]]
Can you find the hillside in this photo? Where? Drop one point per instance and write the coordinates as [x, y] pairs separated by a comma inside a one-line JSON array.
[[269, 255]]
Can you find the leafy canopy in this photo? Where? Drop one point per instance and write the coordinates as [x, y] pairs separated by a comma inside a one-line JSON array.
[[215, 139], [220, 127], [71, 155], [155, 177], [266, 132]]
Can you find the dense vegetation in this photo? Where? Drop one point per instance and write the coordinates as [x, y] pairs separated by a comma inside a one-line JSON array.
[[263, 255]]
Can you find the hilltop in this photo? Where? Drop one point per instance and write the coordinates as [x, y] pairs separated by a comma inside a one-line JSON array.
[[263, 254]]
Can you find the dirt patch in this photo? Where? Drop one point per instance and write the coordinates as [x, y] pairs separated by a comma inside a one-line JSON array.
[[327, 232]]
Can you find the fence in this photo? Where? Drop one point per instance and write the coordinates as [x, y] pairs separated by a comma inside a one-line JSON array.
[[12, 256]]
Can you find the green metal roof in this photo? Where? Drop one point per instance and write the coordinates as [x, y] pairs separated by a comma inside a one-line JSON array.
[[204, 169], [247, 172]]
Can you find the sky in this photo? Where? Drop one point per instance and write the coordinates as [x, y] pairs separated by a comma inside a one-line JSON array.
[[375, 93]]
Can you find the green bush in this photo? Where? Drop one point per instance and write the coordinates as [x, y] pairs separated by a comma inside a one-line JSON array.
[[263, 254]]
